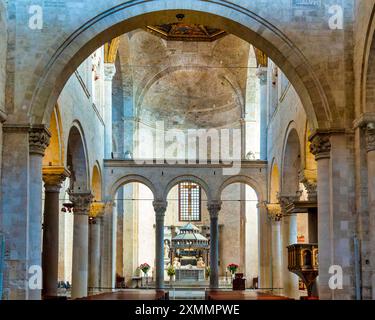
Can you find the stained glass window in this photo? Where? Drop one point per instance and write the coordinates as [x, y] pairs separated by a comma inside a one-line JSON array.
[[189, 201]]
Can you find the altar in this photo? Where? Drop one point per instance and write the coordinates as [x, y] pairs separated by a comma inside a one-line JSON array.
[[193, 275], [190, 254]]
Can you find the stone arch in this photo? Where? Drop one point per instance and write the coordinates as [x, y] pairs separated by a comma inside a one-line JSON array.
[[367, 98], [51, 74], [291, 162], [133, 179], [96, 183], [245, 180], [77, 160], [274, 184], [55, 152], [188, 178]]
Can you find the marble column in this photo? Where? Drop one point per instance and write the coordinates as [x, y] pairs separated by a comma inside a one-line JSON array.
[[262, 75], [275, 216], [39, 138], [370, 146], [264, 233], [53, 177], [95, 221], [160, 207], [214, 208], [81, 208], [321, 148], [109, 72]]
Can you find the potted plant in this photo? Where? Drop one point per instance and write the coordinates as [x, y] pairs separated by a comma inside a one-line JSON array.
[[145, 267], [207, 272], [171, 272], [232, 268]]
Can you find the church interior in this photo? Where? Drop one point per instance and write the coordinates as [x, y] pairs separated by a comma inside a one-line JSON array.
[[187, 150]]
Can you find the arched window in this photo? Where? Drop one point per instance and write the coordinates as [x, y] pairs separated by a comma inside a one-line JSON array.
[[189, 201]]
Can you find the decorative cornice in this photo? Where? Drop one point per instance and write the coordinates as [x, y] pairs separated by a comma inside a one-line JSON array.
[[39, 139], [53, 177], [370, 137], [320, 146], [214, 208], [81, 202]]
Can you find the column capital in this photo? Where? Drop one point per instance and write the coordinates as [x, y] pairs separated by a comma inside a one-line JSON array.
[[274, 211], [309, 180], [109, 71], [160, 206], [39, 139], [97, 209], [81, 202], [370, 136], [261, 73], [285, 200], [214, 208], [320, 145], [53, 177]]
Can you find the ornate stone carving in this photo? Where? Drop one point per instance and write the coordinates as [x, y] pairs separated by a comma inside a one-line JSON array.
[[370, 137], [97, 209], [311, 188], [286, 200], [81, 202], [262, 75], [109, 71], [39, 139], [160, 206], [274, 211], [321, 146], [53, 177], [214, 208]]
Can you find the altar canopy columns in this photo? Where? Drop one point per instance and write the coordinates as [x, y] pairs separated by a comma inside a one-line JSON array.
[[53, 177], [81, 206], [160, 207], [214, 208]]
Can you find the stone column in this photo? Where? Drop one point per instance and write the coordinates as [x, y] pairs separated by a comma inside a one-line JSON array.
[[109, 72], [214, 208], [370, 146], [321, 148], [264, 233], [95, 221], [160, 207], [39, 138], [53, 177], [81, 206], [275, 216], [262, 75]]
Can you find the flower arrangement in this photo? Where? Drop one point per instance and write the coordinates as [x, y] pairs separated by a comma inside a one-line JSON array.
[[232, 268], [171, 271], [145, 267]]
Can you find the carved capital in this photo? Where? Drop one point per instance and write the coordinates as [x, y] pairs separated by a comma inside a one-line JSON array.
[[262, 75], [370, 137], [286, 200], [39, 139], [274, 211], [214, 208], [97, 209], [81, 202], [311, 188], [53, 177], [321, 146], [160, 206], [109, 71]]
